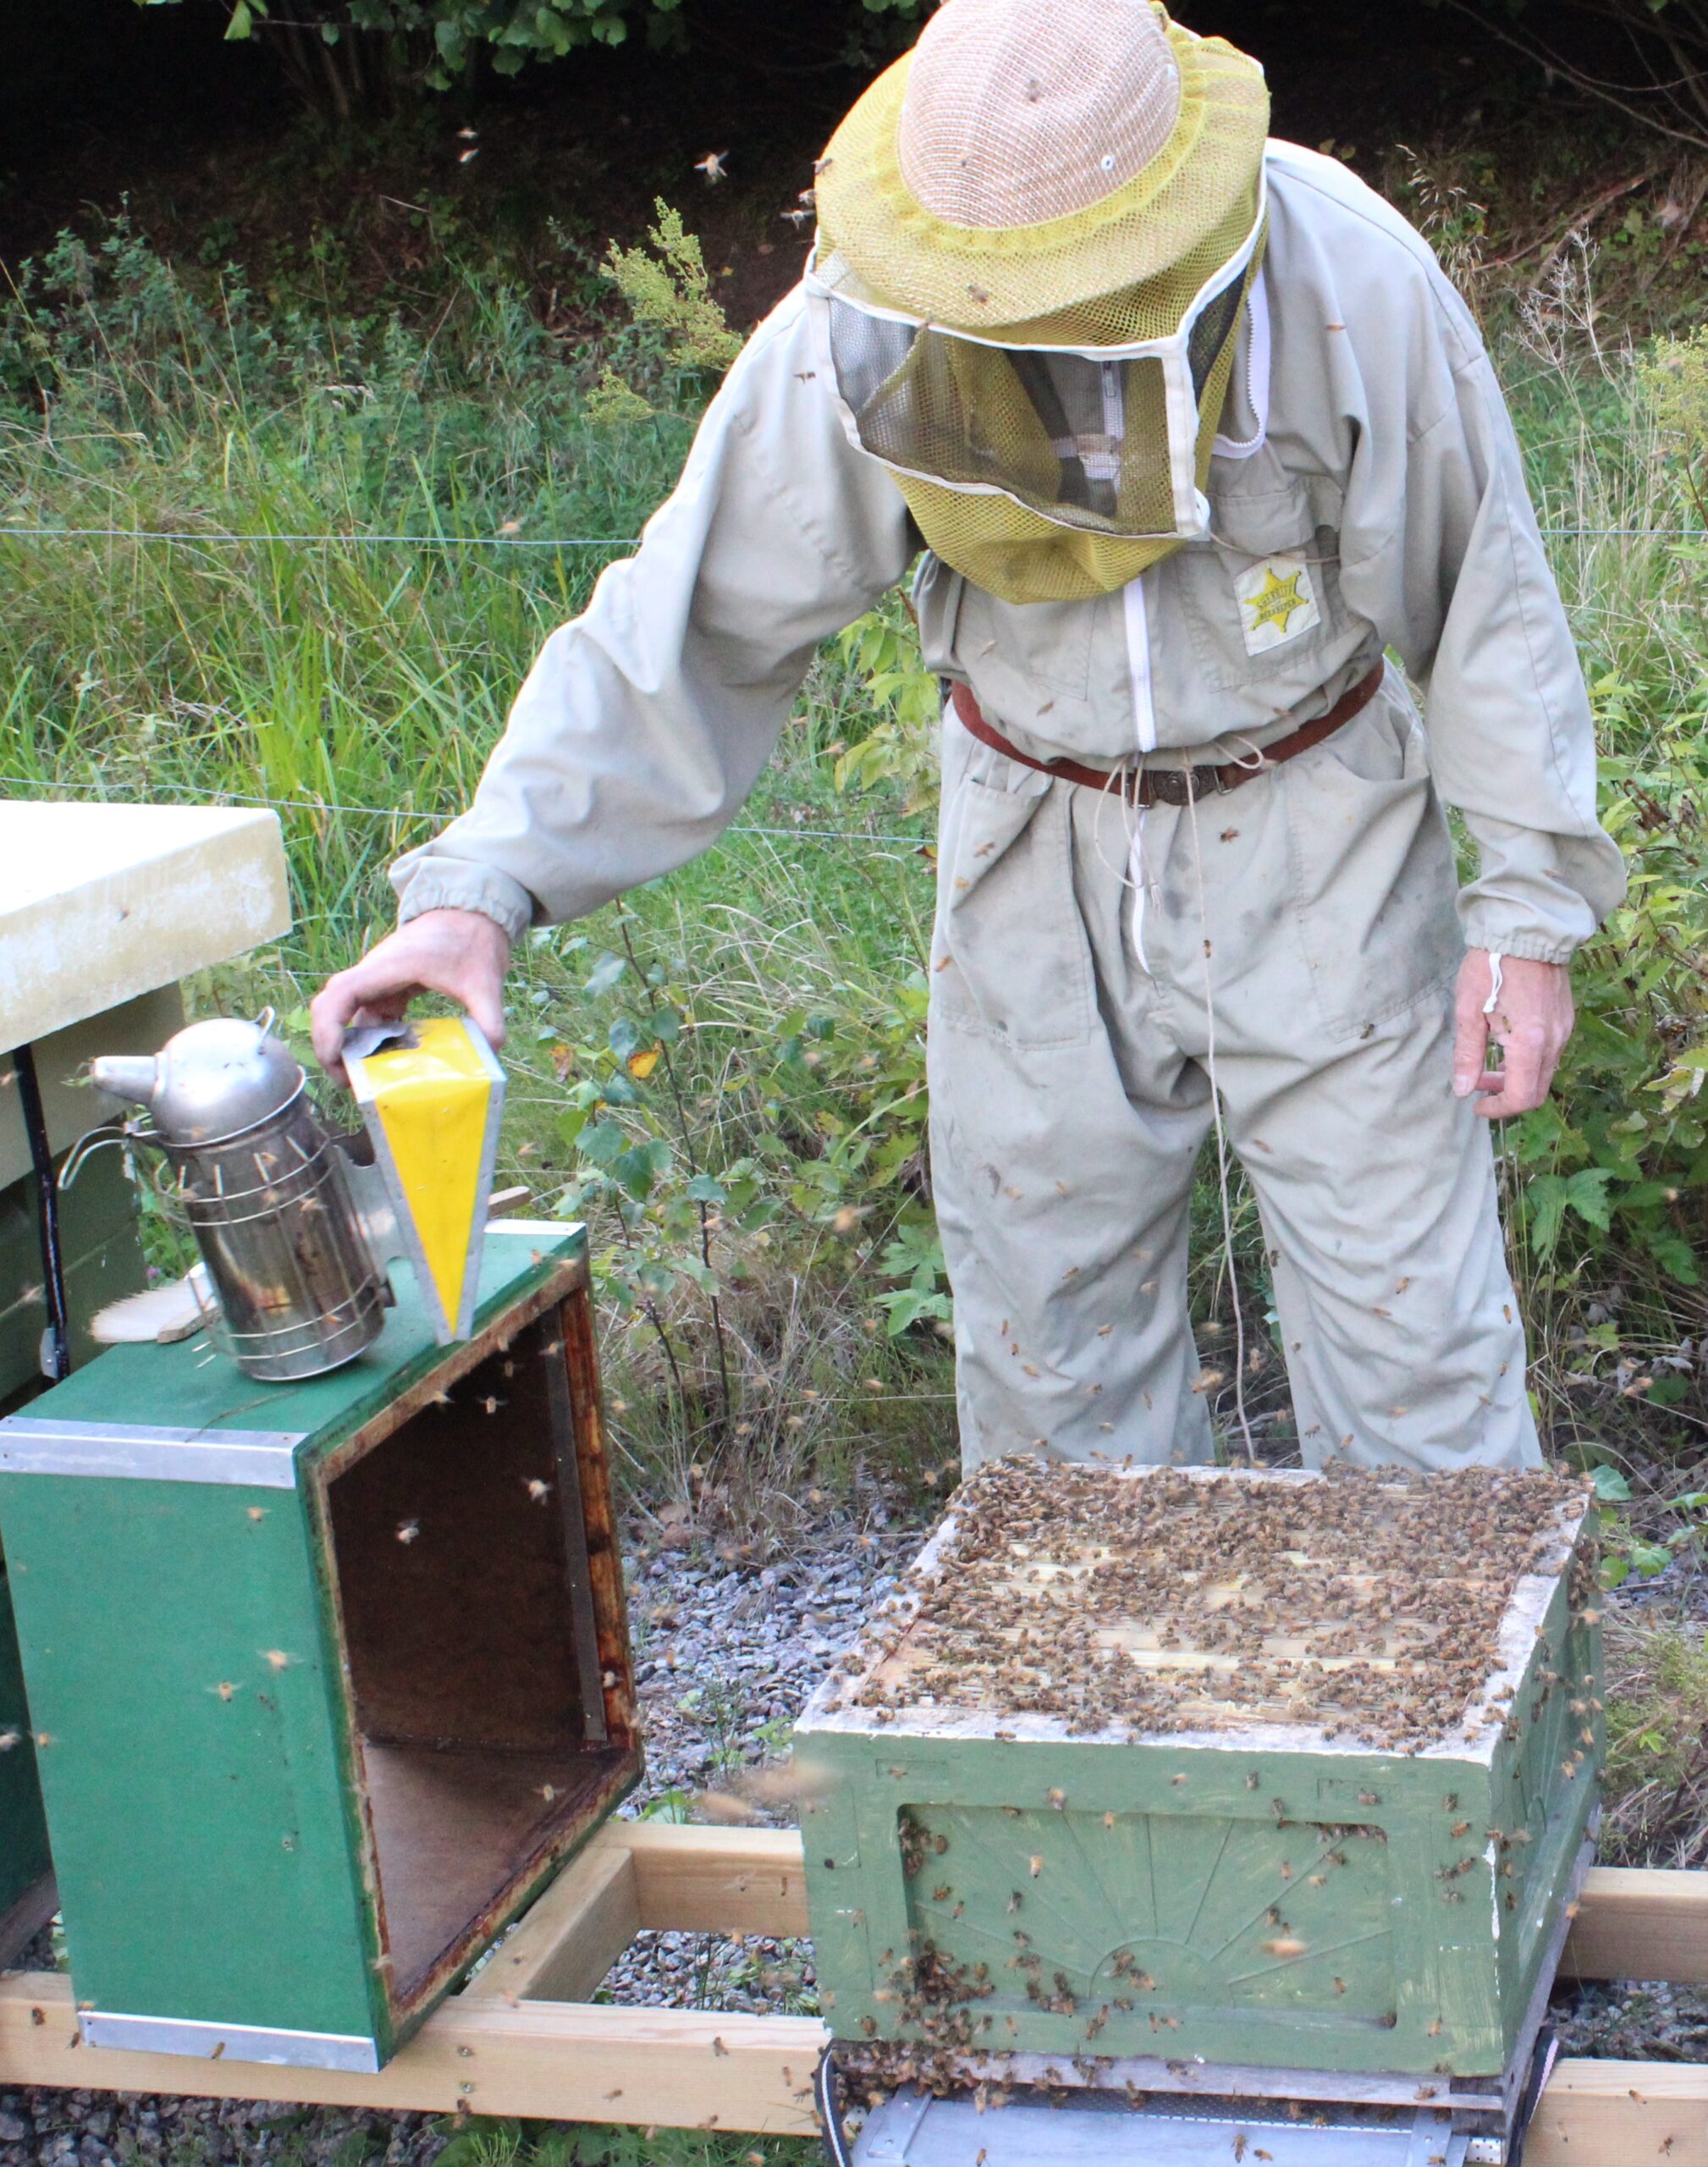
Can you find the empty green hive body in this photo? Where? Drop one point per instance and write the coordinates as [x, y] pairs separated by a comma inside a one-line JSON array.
[[23, 1861], [1245, 1887], [320, 1684]]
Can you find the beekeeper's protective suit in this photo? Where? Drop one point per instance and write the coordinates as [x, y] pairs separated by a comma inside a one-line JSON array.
[[1195, 430]]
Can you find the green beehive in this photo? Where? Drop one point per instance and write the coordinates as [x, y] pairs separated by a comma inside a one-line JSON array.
[[26, 1885], [1146, 1766], [326, 1677], [103, 908]]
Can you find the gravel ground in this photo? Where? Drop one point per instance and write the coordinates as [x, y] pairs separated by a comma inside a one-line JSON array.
[[1630, 2020], [723, 1660]]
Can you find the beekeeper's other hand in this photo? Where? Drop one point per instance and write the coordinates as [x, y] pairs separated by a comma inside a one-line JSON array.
[[458, 953], [1531, 1020]]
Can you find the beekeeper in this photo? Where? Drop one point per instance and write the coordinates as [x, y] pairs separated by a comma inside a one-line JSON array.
[[1203, 449]]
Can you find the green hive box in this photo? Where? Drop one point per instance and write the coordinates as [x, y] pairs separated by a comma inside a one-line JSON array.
[[1093, 1901], [26, 1889], [325, 1678]]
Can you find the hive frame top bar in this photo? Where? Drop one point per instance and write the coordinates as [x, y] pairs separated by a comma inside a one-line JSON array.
[[1476, 1739]]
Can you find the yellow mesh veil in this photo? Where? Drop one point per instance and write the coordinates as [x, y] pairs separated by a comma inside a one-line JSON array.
[[1122, 269]]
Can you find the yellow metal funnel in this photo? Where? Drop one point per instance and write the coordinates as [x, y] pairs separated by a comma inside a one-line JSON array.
[[432, 1096]]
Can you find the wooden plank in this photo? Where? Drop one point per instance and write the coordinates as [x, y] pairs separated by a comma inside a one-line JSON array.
[[718, 1880], [1640, 1923], [692, 2070], [556, 2061], [1621, 2115], [572, 1936]]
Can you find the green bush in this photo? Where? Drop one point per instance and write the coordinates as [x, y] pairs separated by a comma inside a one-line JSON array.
[[343, 53]]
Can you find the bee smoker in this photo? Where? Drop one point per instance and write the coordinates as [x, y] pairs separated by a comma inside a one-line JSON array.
[[295, 1222]]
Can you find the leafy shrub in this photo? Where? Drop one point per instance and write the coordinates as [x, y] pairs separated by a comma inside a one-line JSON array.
[[346, 53]]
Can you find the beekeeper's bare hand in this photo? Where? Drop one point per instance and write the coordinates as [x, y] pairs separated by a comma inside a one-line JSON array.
[[1530, 1022], [458, 953]]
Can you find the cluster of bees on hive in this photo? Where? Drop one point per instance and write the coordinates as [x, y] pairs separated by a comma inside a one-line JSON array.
[[949, 2046], [1392, 1587]]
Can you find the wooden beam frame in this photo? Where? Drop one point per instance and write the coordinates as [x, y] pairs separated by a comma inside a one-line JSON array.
[[521, 2039]]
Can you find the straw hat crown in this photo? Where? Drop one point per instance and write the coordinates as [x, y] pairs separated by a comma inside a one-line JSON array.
[[1019, 111], [1029, 157]]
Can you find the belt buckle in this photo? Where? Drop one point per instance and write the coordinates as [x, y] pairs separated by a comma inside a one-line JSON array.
[[1168, 785]]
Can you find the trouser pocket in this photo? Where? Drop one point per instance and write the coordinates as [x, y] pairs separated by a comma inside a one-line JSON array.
[[1010, 956], [1372, 869]]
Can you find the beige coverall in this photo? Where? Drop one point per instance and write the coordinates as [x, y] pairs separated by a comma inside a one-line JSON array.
[[1085, 957]]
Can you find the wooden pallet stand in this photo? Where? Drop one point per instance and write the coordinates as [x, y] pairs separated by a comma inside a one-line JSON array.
[[522, 2039]]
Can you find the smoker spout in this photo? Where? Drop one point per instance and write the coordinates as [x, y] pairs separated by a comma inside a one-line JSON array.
[[126, 1075]]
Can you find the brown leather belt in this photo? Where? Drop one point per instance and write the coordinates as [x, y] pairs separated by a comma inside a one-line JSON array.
[[1172, 786]]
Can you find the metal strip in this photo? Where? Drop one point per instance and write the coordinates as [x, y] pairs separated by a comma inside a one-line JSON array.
[[237, 2042], [1107, 2131], [260, 1459]]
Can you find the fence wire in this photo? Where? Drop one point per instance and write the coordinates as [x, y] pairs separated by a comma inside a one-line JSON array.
[[212, 792], [191, 538]]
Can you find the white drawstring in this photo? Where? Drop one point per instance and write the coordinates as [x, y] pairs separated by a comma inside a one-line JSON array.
[[1496, 980], [1135, 874], [1131, 874]]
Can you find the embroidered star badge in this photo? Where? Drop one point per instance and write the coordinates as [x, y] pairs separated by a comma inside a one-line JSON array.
[[1277, 603], [1276, 600]]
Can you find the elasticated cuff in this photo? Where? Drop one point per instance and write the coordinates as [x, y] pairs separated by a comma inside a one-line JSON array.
[[451, 884], [1523, 947]]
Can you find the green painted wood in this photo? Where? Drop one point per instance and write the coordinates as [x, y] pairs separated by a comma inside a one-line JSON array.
[[1332, 1910], [188, 1759], [23, 1858], [177, 1386], [180, 1642]]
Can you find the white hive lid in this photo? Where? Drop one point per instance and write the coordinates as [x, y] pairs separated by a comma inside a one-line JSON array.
[[99, 903]]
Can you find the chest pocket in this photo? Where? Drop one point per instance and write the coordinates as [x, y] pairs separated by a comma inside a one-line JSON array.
[[1261, 598], [1048, 644]]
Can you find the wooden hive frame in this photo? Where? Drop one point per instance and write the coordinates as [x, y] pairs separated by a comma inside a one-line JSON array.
[[522, 2039]]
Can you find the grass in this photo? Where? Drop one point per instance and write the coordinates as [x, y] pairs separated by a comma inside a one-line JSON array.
[[725, 1073], [520, 2144], [358, 685], [1656, 1780]]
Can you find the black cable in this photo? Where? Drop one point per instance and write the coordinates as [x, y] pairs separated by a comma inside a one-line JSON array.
[[827, 2098], [55, 1340]]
